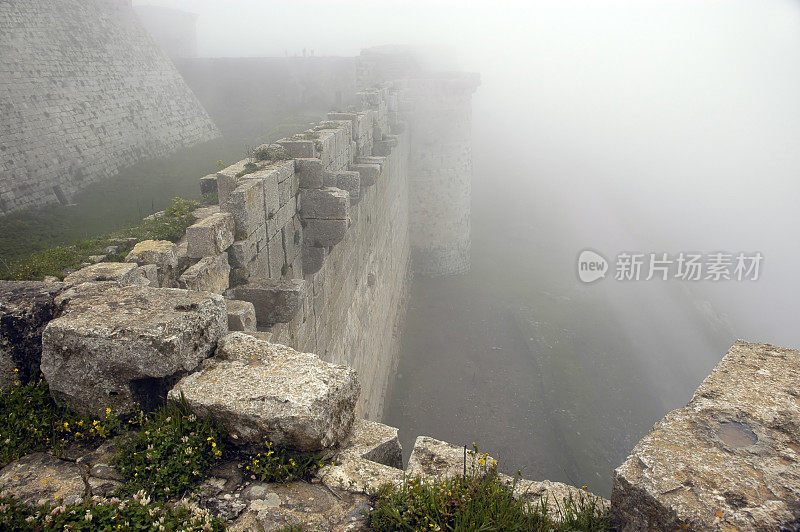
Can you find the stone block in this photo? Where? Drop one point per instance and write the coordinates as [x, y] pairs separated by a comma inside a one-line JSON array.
[[246, 204], [117, 345], [350, 182], [299, 148], [208, 184], [150, 274], [268, 392], [434, 458], [369, 173], [310, 173], [210, 236], [25, 309], [119, 272], [324, 233], [161, 253], [275, 300], [241, 315], [324, 203], [241, 252], [209, 274], [277, 258], [313, 258], [729, 460]]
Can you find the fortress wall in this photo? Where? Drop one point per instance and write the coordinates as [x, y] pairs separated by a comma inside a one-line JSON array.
[[84, 90], [321, 242]]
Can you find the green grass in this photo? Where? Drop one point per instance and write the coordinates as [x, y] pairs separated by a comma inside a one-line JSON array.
[[31, 421]]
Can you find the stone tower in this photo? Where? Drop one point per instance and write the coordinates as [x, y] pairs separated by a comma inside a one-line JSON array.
[[440, 174]]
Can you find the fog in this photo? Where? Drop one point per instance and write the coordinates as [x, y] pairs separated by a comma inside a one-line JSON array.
[[641, 126]]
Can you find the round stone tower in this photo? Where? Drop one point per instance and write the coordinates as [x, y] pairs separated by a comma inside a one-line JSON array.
[[440, 171]]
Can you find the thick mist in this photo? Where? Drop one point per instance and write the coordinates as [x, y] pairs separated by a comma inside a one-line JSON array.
[[641, 126]]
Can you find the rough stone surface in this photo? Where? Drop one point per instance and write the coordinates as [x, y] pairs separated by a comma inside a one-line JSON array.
[[120, 272], [325, 203], [324, 233], [25, 309], [369, 457], [161, 253], [210, 236], [438, 459], [729, 460], [310, 506], [275, 300], [241, 315], [41, 478], [261, 391], [115, 345], [209, 274]]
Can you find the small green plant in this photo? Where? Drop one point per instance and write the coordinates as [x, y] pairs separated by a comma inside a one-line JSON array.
[[99, 513], [310, 135], [221, 165], [249, 168], [31, 421], [479, 500], [172, 452], [279, 465]]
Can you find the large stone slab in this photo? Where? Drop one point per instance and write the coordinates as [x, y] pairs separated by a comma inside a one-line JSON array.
[[241, 315], [25, 309], [729, 460], [210, 236], [120, 272], [328, 203], [114, 346], [275, 300], [268, 392]]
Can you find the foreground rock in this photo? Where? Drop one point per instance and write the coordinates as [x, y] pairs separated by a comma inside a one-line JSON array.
[[729, 460], [114, 346], [261, 391], [370, 457], [25, 309], [40, 478]]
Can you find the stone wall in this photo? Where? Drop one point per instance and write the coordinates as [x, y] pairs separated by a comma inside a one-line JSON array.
[[84, 90]]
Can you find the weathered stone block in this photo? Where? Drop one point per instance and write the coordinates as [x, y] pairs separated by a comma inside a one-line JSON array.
[[115, 345], [275, 300], [729, 460], [161, 253], [241, 315], [246, 204], [209, 274], [369, 173], [324, 233], [310, 173], [119, 272], [438, 459], [25, 309], [208, 184], [210, 236], [150, 274], [312, 258], [268, 392], [299, 148], [324, 203], [350, 181]]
